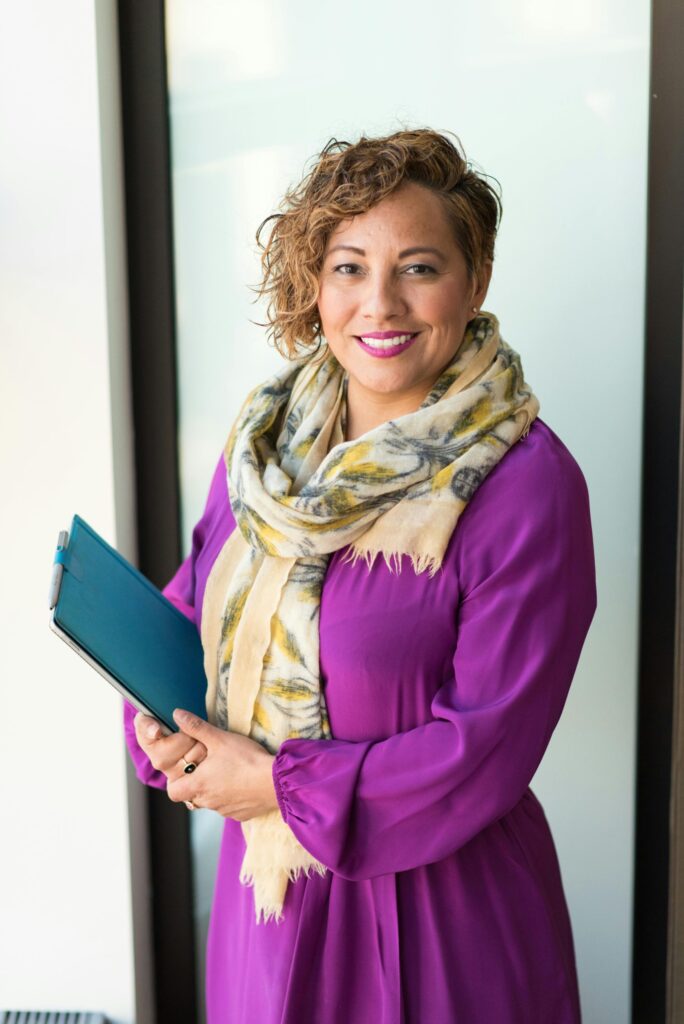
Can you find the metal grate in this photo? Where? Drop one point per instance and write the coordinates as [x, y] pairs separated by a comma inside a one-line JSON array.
[[50, 1017]]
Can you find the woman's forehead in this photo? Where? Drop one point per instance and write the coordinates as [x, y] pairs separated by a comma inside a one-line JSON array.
[[409, 211]]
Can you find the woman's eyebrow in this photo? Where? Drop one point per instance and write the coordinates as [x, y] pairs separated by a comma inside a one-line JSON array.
[[406, 252]]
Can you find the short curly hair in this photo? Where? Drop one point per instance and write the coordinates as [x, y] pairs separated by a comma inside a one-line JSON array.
[[348, 179]]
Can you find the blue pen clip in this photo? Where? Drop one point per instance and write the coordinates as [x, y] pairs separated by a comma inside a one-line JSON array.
[[58, 568]]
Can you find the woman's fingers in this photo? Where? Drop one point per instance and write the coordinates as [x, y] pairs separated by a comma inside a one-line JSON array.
[[165, 752], [146, 728], [194, 756]]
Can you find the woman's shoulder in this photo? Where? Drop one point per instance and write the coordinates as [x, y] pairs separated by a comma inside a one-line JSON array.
[[536, 498], [536, 470]]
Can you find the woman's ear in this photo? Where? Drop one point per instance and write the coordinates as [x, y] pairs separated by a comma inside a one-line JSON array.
[[482, 283]]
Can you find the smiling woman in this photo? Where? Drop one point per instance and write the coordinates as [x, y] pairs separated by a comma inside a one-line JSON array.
[[393, 324], [384, 202], [393, 579]]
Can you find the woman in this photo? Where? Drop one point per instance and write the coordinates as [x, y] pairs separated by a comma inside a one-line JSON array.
[[386, 714]]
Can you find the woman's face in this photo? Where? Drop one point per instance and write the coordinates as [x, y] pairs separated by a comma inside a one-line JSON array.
[[392, 272]]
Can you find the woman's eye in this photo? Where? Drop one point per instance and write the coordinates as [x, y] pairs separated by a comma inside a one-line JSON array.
[[421, 267], [344, 267]]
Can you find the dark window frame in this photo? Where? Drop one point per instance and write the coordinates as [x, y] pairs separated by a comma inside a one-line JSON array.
[[161, 862], [657, 919]]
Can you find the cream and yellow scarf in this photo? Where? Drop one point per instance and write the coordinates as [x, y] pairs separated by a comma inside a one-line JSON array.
[[299, 491]]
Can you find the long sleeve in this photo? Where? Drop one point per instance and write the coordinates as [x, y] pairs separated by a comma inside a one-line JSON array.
[[181, 590], [523, 552]]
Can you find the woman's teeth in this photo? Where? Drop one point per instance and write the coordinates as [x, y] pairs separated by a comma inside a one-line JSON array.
[[387, 342]]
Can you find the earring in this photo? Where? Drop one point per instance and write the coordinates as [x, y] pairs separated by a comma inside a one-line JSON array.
[[475, 309]]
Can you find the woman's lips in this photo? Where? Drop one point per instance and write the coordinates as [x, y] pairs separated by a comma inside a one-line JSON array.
[[385, 353]]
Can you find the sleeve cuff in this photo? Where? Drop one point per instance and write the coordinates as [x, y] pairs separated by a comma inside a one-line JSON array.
[[279, 791]]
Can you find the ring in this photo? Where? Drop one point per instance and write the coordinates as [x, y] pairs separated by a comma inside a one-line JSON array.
[[189, 766], [190, 806]]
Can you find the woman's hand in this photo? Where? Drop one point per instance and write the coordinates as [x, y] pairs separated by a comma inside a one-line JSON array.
[[233, 775], [166, 753]]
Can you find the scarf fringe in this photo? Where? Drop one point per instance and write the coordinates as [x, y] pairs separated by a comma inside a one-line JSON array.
[[420, 560], [273, 857], [269, 887]]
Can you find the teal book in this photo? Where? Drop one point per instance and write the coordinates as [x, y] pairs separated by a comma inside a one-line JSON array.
[[124, 627]]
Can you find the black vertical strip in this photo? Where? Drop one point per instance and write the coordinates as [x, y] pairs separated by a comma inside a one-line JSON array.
[[153, 370], [151, 286], [661, 439]]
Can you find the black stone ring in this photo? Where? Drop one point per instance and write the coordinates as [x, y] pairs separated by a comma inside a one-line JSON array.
[[189, 766]]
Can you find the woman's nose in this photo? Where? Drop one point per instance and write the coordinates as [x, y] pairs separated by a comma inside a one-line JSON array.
[[382, 299]]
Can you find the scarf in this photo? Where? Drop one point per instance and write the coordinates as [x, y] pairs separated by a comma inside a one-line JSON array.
[[298, 492]]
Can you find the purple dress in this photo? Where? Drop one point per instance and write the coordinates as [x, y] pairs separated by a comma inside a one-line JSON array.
[[443, 903]]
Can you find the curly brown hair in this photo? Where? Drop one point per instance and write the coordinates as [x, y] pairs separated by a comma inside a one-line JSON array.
[[348, 179]]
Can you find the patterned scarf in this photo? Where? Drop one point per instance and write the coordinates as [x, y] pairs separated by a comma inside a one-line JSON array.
[[299, 491]]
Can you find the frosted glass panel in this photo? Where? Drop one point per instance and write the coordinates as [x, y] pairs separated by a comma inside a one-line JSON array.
[[551, 99]]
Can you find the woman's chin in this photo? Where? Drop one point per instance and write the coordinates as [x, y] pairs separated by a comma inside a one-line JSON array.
[[401, 393]]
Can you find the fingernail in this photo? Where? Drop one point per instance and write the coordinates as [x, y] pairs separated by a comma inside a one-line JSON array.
[[152, 732]]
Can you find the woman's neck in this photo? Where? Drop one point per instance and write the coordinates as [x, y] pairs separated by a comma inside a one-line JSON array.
[[367, 411]]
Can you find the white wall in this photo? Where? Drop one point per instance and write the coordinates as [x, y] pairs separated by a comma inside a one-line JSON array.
[[65, 939]]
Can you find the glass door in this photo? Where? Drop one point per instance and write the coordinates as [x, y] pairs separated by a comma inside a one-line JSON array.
[[550, 99]]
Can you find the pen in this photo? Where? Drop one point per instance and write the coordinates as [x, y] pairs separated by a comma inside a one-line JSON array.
[[57, 569]]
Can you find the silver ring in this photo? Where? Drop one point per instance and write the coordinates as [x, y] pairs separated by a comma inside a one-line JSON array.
[[190, 806], [189, 766]]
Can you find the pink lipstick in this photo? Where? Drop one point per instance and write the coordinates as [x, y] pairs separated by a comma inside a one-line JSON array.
[[386, 350]]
